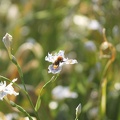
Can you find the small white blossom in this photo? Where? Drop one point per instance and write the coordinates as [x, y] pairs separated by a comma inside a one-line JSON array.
[[5, 90], [63, 92], [7, 40], [58, 60]]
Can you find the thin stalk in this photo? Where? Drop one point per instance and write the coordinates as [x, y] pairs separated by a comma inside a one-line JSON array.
[[39, 100], [103, 89], [13, 59], [103, 98], [43, 88], [52, 79], [18, 107], [104, 77], [46, 84], [104, 36], [21, 109], [31, 103]]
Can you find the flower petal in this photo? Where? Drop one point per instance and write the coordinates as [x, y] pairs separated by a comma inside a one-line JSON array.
[[2, 95], [49, 58], [53, 70], [52, 58], [5, 90], [61, 53], [2, 85]]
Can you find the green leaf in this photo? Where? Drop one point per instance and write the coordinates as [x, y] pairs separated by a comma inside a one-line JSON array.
[[38, 103]]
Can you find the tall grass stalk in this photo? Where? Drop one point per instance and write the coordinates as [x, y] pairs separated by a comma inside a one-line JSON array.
[[111, 58], [22, 79], [39, 97]]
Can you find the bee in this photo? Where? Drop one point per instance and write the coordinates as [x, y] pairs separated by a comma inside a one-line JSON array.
[[57, 62]]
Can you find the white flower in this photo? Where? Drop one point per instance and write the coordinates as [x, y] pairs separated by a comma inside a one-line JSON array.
[[63, 92], [58, 60], [5, 90], [7, 40]]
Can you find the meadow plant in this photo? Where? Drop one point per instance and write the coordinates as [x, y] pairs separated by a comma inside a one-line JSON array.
[[57, 60], [107, 51]]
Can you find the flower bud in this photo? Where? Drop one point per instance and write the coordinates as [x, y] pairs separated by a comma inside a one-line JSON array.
[[78, 110], [7, 40]]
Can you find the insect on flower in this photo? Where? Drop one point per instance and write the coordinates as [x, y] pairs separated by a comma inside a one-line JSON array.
[[58, 60]]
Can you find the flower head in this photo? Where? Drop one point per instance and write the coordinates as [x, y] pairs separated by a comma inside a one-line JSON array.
[[58, 60], [5, 90]]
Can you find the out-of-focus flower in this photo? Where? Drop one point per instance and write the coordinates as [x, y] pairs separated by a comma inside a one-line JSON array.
[[53, 105], [11, 116], [58, 60], [60, 93], [93, 112], [7, 40], [5, 90], [86, 23], [117, 86], [90, 46]]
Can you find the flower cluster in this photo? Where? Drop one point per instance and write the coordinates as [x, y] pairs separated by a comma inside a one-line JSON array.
[[58, 60]]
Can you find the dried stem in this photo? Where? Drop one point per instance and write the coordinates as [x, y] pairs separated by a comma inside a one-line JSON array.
[[104, 79]]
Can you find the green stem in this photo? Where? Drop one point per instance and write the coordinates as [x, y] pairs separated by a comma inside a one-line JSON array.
[[76, 118], [13, 59], [31, 103], [18, 107], [106, 68], [46, 84], [103, 98], [21, 76], [21, 109], [39, 100], [52, 79], [103, 88]]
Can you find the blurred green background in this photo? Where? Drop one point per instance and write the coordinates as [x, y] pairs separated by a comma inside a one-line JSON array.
[[75, 26]]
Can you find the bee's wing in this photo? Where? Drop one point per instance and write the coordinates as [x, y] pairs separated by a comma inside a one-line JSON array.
[[71, 61]]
